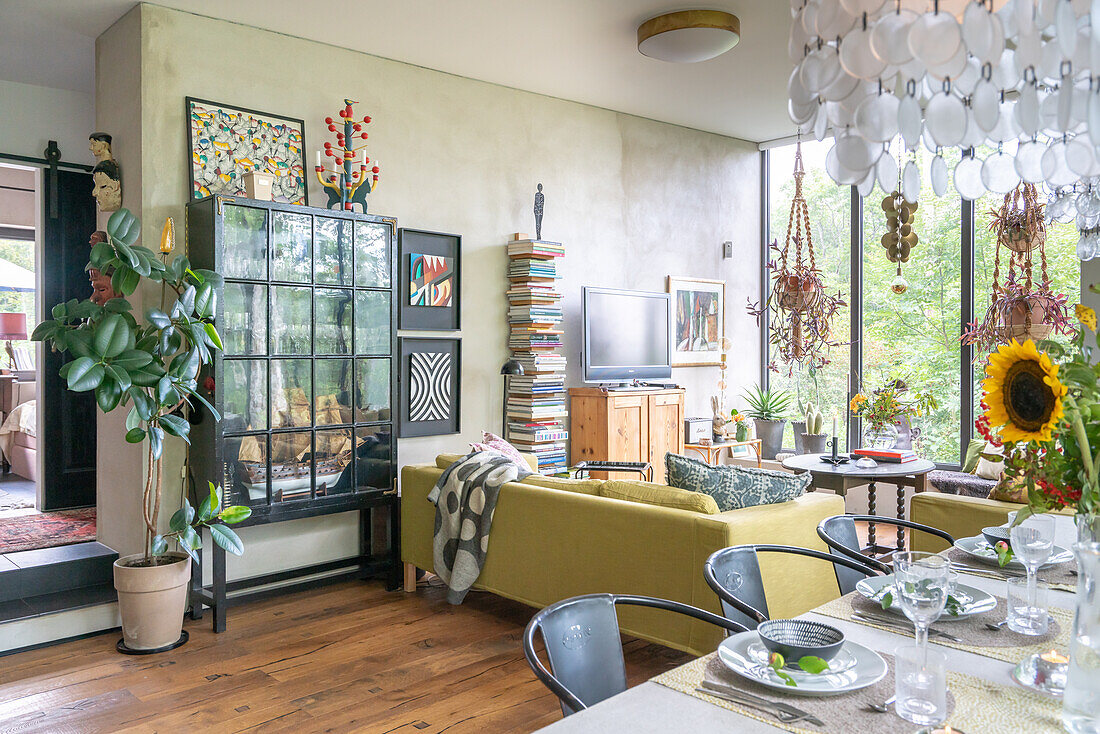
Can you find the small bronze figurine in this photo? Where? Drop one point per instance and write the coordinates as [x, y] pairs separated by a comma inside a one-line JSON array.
[[539, 202]]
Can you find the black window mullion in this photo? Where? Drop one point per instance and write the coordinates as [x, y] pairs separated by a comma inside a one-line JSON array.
[[765, 238], [855, 311]]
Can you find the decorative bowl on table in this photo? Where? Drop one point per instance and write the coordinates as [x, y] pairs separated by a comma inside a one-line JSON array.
[[794, 639], [995, 535]]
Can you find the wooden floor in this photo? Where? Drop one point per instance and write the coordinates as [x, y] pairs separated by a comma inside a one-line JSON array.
[[347, 657]]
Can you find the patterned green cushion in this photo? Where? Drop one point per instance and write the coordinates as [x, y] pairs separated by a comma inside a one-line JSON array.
[[734, 487]]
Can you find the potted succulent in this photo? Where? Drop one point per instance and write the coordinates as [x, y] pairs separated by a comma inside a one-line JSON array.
[[767, 409], [152, 367], [814, 438]]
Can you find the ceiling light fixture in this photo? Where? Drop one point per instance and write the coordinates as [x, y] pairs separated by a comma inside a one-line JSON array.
[[689, 36]]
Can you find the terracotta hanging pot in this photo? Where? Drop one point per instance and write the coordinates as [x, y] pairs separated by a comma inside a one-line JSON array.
[[797, 294], [1016, 321], [1020, 239]]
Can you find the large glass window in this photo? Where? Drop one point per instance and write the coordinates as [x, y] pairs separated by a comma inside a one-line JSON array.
[[915, 335], [831, 224]]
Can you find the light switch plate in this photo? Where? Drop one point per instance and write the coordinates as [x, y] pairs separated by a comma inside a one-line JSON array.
[[727, 250]]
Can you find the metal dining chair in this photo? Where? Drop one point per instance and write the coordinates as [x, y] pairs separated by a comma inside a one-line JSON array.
[[582, 641], [734, 575], [839, 533]]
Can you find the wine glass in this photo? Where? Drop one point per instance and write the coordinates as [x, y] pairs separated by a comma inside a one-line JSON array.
[[1032, 542], [921, 585]]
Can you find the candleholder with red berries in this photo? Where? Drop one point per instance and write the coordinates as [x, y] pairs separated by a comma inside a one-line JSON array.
[[352, 176]]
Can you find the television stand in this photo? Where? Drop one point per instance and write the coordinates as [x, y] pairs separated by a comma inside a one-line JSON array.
[[641, 424]]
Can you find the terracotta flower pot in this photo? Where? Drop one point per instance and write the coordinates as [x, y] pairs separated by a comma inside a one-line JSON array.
[[152, 599], [796, 294], [1016, 321], [1018, 239]]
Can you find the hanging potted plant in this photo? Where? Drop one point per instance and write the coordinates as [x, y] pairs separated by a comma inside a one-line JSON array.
[[152, 367], [801, 320], [1019, 309]]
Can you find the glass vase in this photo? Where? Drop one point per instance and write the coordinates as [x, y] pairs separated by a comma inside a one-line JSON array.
[[880, 437], [741, 433], [1081, 702]]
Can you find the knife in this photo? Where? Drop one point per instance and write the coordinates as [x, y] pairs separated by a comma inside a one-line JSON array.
[[737, 695], [900, 624]]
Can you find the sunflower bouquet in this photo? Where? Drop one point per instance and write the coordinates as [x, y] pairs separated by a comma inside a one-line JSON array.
[[886, 405], [1044, 406]]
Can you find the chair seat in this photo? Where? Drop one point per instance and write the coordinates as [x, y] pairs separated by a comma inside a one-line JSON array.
[[960, 483]]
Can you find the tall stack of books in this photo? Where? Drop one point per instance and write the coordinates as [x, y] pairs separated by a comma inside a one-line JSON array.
[[536, 399]]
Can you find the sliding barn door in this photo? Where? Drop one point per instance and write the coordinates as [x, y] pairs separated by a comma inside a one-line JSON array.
[[69, 419]]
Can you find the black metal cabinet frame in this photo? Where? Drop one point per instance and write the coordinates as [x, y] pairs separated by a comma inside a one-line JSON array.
[[213, 460]]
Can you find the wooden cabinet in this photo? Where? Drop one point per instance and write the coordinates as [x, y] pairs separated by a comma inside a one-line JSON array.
[[626, 426]]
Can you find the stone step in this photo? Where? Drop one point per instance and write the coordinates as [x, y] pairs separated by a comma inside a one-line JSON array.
[[46, 571]]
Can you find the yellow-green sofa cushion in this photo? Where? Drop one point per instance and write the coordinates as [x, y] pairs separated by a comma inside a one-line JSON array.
[[583, 486], [660, 495]]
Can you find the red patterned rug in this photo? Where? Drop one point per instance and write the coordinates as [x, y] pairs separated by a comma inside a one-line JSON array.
[[46, 530]]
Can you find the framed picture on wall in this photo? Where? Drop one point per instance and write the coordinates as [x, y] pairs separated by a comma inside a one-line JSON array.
[[698, 320], [431, 376], [224, 143], [429, 269]]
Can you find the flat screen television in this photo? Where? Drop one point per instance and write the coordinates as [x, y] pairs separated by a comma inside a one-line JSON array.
[[627, 335]]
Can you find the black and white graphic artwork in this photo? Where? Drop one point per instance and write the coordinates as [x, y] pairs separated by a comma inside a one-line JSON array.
[[429, 386], [431, 373]]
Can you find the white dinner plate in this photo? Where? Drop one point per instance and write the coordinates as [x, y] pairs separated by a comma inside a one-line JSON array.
[[972, 601], [979, 549], [869, 668]]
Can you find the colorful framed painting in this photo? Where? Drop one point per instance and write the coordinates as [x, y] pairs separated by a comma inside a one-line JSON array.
[[698, 320], [429, 275], [224, 143], [431, 377]]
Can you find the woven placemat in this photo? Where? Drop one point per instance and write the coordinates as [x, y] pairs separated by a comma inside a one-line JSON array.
[[1004, 645], [975, 705], [1061, 577]]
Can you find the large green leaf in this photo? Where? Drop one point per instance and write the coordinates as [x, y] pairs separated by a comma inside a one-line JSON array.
[[204, 401], [227, 539], [124, 227], [212, 336], [85, 374], [235, 514], [158, 318], [160, 545], [182, 517], [117, 305], [176, 426], [111, 336], [204, 301], [185, 366], [166, 392], [209, 505], [143, 404], [135, 435], [79, 342], [156, 441], [102, 253], [108, 394], [119, 375], [132, 359]]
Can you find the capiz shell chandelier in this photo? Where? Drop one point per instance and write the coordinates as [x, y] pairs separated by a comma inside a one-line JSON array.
[[1013, 86]]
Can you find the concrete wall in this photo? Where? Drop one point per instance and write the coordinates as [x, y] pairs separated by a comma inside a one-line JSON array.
[[31, 116], [632, 199]]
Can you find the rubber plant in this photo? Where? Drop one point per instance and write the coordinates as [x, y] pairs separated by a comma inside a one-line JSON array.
[[151, 366]]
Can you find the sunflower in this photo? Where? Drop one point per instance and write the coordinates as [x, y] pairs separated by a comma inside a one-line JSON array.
[[1085, 315], [1023, 392]]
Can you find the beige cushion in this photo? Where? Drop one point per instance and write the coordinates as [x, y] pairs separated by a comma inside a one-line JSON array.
[[582, 486], [659, 494]]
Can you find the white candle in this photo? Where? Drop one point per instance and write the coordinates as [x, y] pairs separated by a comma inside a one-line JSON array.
[[318, 159], [834, 423]]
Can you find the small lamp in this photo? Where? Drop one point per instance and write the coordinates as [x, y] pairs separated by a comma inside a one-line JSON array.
[[12, 326], [508, 369]]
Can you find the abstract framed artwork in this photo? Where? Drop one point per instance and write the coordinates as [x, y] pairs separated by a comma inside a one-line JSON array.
[[430, 276], [431, 376], [699, 322], [226, 142]]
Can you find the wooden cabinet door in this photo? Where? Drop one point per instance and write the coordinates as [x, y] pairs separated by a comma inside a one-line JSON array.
[[628, 431], [666, 430]]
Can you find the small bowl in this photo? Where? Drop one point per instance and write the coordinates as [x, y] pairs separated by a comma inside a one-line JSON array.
[[996, 534], [797, 638]]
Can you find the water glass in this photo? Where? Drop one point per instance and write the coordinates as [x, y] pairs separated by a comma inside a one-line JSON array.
[[1027, 613], [920, 684], [921, 582]]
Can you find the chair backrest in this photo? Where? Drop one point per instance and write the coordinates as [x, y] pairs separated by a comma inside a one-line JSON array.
[[839, 533], [582, 642], [734, 575]]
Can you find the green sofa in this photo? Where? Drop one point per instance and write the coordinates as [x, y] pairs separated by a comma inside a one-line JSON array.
[[554, 538]]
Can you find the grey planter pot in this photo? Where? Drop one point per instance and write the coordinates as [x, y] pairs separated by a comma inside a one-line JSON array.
[[799, 431], [815, 443], [770, 434]]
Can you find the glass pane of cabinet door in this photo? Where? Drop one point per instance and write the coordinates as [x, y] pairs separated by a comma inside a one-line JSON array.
[[372, 254], [372, 322], [244, 405], [243, 320], [291, 317], [332, 321], [333, 251], [291, 393], [292, 247], [332, 381], [244, 242]]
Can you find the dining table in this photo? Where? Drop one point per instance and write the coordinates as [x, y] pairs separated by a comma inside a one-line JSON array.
[[655, 707]]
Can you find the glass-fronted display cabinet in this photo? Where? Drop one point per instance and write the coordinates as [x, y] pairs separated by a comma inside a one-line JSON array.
[[306, 382]]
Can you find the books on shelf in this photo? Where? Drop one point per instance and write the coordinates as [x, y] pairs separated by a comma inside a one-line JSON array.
[[889, 456], [535, 404]]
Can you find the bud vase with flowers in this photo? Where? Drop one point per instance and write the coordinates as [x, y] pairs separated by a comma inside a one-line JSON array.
[[884, 407]]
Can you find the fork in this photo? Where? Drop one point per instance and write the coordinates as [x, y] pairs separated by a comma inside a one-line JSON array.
[[782, 711]]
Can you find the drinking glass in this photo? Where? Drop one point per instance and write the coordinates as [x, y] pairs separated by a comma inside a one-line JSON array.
[[920, 684], [1027, 608], [1032, 541], [921, 582]]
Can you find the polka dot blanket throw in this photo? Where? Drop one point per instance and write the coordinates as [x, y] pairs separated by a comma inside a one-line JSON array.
[[465, 497]]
